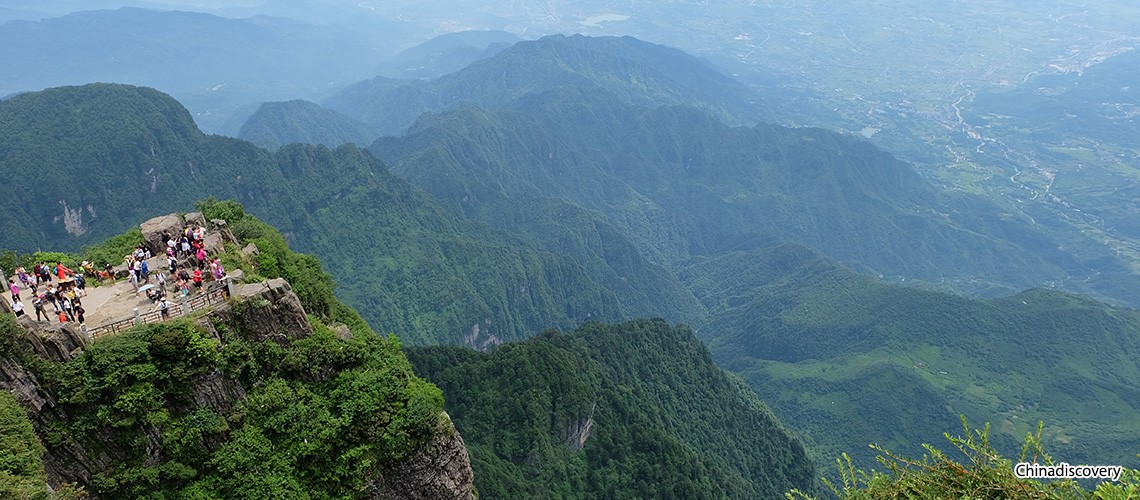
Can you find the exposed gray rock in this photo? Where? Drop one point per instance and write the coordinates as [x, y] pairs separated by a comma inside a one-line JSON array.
[[68, 462], [152, 231], [269, 311], [195, 219], [53, 341], [214, 243], [440, 470], [342, 332], [213, 390], [221, 227], [24, 385], [237, 275]]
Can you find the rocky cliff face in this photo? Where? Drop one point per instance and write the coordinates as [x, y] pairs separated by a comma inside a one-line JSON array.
[[439, 470], [266, 312], [65, 462]]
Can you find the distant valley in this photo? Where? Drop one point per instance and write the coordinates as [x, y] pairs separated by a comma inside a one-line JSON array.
[[476, 190]]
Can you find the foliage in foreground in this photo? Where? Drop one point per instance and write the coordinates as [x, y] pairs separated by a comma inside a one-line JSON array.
[[320, 417], [983, 474], [21, 463], [21, 468]]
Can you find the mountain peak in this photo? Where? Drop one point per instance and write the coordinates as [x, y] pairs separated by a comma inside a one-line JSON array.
[[634, 71]]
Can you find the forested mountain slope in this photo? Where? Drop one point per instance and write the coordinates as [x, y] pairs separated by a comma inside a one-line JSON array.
[[80, 163], [636, 409], [851, 361], [276, 124], [678, 182], [637, 133]]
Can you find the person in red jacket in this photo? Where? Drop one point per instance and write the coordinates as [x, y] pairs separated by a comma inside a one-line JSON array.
[[198, 279], [62, 271]]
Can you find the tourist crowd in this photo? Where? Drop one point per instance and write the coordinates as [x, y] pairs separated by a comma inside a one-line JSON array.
[[188, 263]]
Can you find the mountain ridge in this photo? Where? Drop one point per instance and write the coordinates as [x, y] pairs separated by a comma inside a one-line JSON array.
[[389, 106], [820, 342], [307, 123], [213, 64], [681, 183]]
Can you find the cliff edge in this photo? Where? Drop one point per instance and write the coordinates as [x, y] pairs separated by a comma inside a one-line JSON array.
[[250, 396]]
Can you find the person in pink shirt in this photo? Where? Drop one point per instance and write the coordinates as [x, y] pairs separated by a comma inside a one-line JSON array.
[[15, 290]]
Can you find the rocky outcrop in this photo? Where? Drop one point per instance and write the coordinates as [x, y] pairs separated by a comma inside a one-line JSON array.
[[68, 462], [56, 344], [53, 341], [439, 470], [174, 224], [223, 228], [152, 231], [195, 219], [214, 391], [266, 312], [214, 243], [579, 430]]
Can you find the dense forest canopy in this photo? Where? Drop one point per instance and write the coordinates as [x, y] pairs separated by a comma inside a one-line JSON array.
[[608, 411]]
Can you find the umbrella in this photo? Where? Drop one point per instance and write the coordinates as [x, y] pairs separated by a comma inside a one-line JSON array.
[[145, 288]]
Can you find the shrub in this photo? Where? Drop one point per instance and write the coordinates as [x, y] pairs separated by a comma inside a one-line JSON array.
[[983, 474]]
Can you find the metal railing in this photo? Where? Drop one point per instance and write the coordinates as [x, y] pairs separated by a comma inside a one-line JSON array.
[[187, 305]]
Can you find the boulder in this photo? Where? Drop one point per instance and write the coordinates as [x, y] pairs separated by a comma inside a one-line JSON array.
[[236, 275], [269, 312], [214, 243], [222, 227], [342, 332], [250, 249], [195, 219], [152, 231]]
